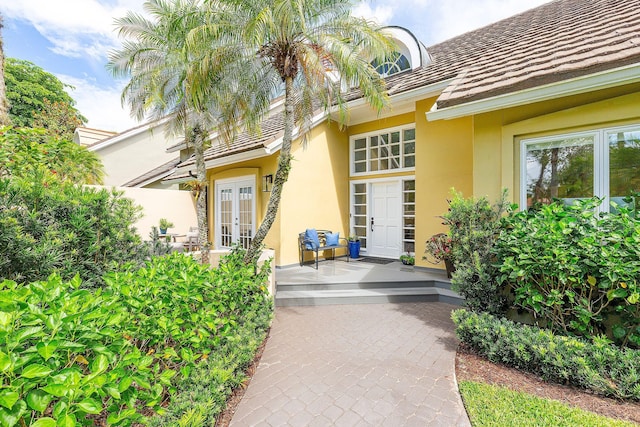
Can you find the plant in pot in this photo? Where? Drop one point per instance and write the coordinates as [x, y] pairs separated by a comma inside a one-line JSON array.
[[408, 259], [438, 249], [164, 225], [354, 246]]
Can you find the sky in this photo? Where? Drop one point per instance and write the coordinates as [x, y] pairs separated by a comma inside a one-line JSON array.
[[72, 38]]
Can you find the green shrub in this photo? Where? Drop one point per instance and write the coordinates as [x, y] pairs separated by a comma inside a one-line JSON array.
[[47, 226], [598, 366], [64, 358], [575, 271], [70, 355], [474, 227]]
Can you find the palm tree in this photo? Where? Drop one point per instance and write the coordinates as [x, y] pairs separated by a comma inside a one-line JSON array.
[[155, 57], [314, 50], [4, 104]]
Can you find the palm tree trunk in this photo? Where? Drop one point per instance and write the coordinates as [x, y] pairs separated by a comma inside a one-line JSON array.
[[282, 174], [201, 191], [4, 104]]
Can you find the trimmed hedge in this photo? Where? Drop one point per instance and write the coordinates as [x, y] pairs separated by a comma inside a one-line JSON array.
[[597, 365]]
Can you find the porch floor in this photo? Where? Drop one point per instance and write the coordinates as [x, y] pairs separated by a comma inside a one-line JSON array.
[[358, 282]]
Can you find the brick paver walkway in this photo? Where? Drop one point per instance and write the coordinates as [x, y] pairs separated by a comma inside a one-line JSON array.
[[356, 365]]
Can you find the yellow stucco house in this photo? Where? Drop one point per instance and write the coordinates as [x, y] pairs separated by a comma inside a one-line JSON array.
[[545, 104]]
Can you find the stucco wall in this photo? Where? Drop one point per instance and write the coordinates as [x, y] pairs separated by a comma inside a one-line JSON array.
[[174, 205], [134, 156], [317, 192], [496, 148]]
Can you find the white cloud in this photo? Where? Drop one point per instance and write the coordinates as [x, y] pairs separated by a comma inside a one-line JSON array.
[[100, 105], [380, 14], [455, 17], [75, 28]]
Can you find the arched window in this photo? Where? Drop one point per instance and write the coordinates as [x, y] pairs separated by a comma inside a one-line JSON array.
[[395, 63]]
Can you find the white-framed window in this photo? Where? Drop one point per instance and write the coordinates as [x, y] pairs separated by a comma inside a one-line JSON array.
[[384, 151], [603, 162]]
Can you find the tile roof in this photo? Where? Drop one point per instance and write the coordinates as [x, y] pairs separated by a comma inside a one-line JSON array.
[[158, 172], [557, 41], [271, 130]]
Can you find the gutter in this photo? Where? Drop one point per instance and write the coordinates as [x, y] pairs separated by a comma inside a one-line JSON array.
[[592, 82]]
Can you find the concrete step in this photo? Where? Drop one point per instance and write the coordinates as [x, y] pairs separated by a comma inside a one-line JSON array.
[[365, 296], [309, 286]]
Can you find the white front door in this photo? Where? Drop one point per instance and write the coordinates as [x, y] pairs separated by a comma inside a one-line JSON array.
[[385, 219], [235, 212]]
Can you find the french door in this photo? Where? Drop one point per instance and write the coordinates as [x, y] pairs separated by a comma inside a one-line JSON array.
[[235, 212]]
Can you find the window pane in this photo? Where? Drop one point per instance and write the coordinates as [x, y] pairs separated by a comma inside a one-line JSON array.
[[409, 185], [360, 155], [409, 161], [360, 144], [624, 164], [374, 141], [361, 167], [559, 169], [359, 188], [409, 134], [409, 147], [395, 137]]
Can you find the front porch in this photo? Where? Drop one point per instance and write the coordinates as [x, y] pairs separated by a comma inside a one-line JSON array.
[[360, 282]]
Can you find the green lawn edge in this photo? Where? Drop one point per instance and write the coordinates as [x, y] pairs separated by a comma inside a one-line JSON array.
[[489, 405]]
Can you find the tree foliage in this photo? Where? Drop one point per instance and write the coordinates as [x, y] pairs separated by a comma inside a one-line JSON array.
[[25, 152], [309, 49], [28, 86]]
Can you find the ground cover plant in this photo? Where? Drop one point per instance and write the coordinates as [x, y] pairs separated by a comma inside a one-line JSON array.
[[573, 270], [596, 365], [118, 354], [489, 405]]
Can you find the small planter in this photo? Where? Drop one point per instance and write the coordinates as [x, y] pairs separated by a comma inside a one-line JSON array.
[[450, 268], [354, 249], [163, 231]]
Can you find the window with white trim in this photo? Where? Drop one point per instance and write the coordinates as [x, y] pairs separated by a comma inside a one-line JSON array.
[[383, 151], [409, 216], [603, 163]]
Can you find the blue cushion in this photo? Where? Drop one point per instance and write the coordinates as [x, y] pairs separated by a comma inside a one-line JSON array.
[[311, 237], [332, 239]]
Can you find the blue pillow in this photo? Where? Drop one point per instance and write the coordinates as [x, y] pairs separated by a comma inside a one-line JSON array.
[[332, 239], [311, 237]]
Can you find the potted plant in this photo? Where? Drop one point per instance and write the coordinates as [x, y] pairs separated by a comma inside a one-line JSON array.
[[408, 259], [164, 225], [438, 249], [354, 246]]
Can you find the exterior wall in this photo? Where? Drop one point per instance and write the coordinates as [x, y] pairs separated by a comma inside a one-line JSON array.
[[174, 205], [317, 192], [131, 157], [496, 149], [444, 159]]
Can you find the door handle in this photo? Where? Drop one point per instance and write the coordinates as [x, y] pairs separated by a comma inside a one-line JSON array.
[[371, 223]]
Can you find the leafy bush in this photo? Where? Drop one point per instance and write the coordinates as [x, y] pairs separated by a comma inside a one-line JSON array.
[[65, 359], [598, 365], [474, 225], [47, 226], [26, 152], [73, 356], [574, 270]]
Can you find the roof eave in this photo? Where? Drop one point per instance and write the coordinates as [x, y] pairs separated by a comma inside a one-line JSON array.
[[597, 81]]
